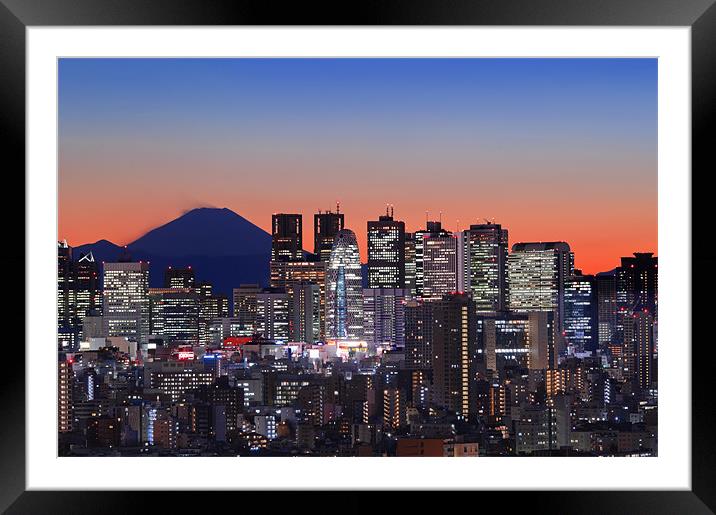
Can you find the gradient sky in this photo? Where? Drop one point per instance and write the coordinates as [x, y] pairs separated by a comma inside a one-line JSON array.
[[554, 149]]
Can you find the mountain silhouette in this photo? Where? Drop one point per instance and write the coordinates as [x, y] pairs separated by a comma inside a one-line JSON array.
[[221, 246], [205, 232]]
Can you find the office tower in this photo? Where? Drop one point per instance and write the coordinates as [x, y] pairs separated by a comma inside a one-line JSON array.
[[503, 340], [580, 313], [384, 316], [245, 306], [344, 289], [126, 300], [179, 277], [607, 306], [284, 274], [409, 251], [174, 314], [272, 315], [287, 237], [636, 288], [386, 252], [482, 271], [325, 228], [87, 292], [64, 394], [65, 283], [536, 276], [545, 346], [525, 340], [211, 306], [305, 312], [454, 342], [435, 262], [639, 349], [418, 334]]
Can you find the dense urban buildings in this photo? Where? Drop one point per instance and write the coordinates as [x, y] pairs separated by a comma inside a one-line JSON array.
[[442, 344]]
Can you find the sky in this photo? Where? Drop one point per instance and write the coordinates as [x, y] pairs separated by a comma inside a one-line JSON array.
[[553, 149]]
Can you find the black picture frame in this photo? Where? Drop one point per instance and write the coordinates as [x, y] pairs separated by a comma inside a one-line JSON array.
[[700, 15]]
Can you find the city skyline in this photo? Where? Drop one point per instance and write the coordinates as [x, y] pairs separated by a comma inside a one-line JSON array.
[[564, 149]]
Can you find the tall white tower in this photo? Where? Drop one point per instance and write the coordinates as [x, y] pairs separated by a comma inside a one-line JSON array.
[[344, 289]]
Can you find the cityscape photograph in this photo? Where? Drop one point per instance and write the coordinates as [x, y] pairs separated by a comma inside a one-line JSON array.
[[357, 257]]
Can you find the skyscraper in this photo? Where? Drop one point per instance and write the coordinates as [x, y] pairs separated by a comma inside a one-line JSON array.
[[86, 284], [384, 316], [287, 237], [639, 349], [126, 299], [285, 274], [607, 306], [386, 252], [325, 228], [536, 274], [211, 306], [344, 289], [418, 334], [454, 363], [580, 312], [409, 252], [245, 307], [483, 267], [438, 264], [637, 283], [305, 311], [272, 315], [433, 229], [174, 314], [179, 277]]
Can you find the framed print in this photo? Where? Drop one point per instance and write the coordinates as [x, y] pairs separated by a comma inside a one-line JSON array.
[[278, 250]]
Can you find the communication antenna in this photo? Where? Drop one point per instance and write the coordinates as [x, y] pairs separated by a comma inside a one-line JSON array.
[[338, 206]]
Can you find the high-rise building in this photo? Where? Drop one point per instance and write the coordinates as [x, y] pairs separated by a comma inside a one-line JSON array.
[[344, 289], [435, 262], [384, 316], [126, 300], [87, 292], [65, 284], [386, 252], [482, 269], [418, 334], [536, 276], [409, 252], [272, 315], [525, 340], [211, 306], [287, 237], [245, 307], [64, 394], [305, 312], [637, 283], [636, 288], [607, 306], [580, 313], [454, 342], [179, 277], [639, 349], [325, 228], [285, 274], [174, 314]]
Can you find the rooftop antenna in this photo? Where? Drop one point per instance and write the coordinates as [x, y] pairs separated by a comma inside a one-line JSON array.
[[426, 218], [338, 206], [441, 217], [387, 210], [391, 210]]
